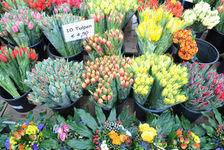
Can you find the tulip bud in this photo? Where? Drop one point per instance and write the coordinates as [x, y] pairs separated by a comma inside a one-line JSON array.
[[84, 85], [186, 141], [87, 81], [100, 101], [104, 41], [94, 45], [122, 83], [183, 146], [109, 97], [127, 84], [3, 58], [104, 97], [98, 48], [33, 56], [181, 139], [84, 75], [95, 95], [88, 48], [109, 44], [100, 91], [93, 80]]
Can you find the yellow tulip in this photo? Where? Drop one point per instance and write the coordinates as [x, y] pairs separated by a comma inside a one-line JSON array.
[[166, 101], [141, 30], [170, 23], [163, 82], [158, 33], [159, 14], [165, 92]]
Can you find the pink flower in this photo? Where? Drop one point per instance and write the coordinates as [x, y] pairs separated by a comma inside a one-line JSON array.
[[66, 128], [63, 136], [55, 11], [30, 26], [15, 29], [60, 130]]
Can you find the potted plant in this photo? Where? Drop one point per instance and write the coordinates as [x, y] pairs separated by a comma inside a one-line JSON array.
[[110, 43], [191, 49], [58, 48], [155, 34], [157, 86], [204, 91], [14, 63], [109, 80], [216, 35], [20, 27], [202, 17], [55, 84]]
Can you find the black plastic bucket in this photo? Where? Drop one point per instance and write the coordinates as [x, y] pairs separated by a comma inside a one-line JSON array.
[[207, 53], [187, 5], [221, 110], [66, 110], [38, 47], [20, 104], [216, 38], [191, 115], [118, 108], [170, 50], [141, 111], [54, 54], [199, 33]]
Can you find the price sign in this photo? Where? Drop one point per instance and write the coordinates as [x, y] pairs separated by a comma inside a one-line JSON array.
[[78, 30]]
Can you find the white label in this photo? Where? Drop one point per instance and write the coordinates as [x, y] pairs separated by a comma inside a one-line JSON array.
[[78, 30], [189, 1], [17, 107]]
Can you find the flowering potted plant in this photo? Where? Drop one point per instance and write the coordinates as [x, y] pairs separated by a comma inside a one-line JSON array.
[[214, 131], [204, 90], [58, 48], [55, 84], [202, 17], [20, 27], [14, 63], [25, 136], [158, 82], [109, 80], [155, 34], [110, 43]]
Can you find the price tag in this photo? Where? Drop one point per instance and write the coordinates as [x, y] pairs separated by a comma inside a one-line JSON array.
[[78, 30]]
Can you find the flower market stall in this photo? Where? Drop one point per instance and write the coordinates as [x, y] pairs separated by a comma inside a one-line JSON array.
[[111, 75]]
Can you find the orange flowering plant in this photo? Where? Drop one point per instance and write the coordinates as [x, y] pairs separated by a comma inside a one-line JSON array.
[[186, 44]]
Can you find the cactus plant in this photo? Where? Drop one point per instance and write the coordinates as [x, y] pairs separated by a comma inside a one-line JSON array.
[[55, 83]]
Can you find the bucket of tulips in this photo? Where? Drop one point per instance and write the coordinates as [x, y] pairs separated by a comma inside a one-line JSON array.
[[108, 44], [14, 63], [109, 80], [20, 27], [201, 17], [158, 84], [58, 48], [155, 34], [205, 91], [56, 84], [216, 35]]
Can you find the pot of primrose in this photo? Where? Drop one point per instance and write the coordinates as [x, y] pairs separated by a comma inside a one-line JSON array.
[[109, 84], [60, 46], [28, 33], [151, 87], [58, 89], [13, 73], [204, 90]]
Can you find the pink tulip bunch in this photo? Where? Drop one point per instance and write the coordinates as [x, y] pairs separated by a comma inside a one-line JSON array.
[[20, 27], [63, 8]]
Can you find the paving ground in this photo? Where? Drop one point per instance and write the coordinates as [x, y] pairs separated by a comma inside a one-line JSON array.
[[130, 46]]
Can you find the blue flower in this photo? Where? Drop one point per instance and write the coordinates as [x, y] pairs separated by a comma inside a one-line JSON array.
[[40, 127], [27, 123], [7, 144], [35, 147], [219, 148], [145, 146]]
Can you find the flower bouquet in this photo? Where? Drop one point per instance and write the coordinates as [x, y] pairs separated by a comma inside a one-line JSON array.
[[11, 5], [55, 83], [205, 87], [148, 138], [158, 81], [20, 27], [52, 28], [187, 46], [14, 63], [110, 43], [41, 5], [108, 79], [220, 25], [185, 139], [214, 131], [155, 33], [25, 136], [201, 16]]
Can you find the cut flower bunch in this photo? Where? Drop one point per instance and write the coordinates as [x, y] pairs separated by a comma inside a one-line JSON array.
[[205, 87], [55, 83], [108, 79], [14, 63], [52, 28], [20, 27], [158, 81], [155, 33]]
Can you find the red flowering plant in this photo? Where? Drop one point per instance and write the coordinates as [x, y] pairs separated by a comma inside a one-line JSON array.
[[110, 43], [187, 46], [41, 5], [205, 88], [14, 63], [108, 79]]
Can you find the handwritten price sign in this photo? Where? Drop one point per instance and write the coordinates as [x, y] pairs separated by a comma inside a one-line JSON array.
[[78, 30]]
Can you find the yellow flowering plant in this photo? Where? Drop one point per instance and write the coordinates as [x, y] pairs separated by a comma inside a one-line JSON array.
[[158, 81], [155, 32]]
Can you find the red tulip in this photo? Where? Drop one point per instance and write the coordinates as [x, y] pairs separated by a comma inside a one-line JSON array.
[[3, 58], [183, 146], [33, 56]]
